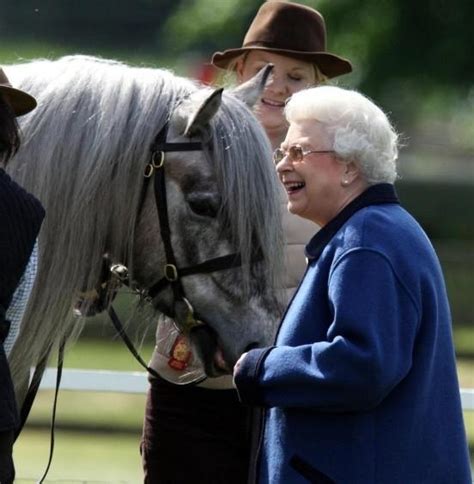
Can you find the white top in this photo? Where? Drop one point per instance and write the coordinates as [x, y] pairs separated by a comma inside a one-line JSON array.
[[17, 307]]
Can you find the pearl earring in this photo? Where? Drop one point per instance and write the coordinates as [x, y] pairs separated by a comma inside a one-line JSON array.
[[345, 182]]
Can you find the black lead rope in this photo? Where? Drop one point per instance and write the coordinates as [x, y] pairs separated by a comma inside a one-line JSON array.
[[55, 405], [121, 331], [31, 394], [32, 391]]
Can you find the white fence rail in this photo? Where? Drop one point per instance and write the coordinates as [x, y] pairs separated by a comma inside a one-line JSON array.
[[96, 381], [136, 382]]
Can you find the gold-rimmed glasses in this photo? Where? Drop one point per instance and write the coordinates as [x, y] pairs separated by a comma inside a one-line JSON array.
[[295, 154]]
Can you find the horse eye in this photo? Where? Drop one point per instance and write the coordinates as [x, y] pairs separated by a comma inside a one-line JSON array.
[[204, 204]]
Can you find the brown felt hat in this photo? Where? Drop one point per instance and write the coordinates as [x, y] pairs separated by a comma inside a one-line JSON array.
[[292, 30], [20, 101]]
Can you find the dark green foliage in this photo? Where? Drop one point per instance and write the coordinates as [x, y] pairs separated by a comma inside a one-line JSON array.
[[120, 24], [445, 210]]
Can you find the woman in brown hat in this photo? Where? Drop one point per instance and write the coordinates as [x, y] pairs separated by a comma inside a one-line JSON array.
[[211, 430], [21, 215], [292, 37]]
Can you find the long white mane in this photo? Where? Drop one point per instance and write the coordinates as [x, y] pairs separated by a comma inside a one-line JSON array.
[[83, 155]]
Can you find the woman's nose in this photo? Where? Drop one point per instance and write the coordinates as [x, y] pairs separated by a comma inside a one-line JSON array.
[[284, 165]]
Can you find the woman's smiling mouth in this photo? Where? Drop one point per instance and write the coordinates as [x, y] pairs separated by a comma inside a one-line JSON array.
[[293, 187], [273, 104]]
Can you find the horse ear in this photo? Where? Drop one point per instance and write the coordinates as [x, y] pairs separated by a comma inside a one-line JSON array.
[[251, 90], [205, 113]]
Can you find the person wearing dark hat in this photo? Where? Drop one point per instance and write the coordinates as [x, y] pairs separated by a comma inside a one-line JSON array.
[[21, 215], [292, 37], [210, 426]]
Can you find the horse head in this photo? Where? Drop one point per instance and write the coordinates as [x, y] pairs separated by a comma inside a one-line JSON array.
[[87, 155], [214, 197]]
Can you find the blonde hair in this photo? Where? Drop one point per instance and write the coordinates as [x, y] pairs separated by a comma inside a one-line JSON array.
[[231, 69], [319, 76]]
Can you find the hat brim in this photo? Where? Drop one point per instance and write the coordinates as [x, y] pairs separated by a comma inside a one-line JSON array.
[[330, 65], [21, 102]]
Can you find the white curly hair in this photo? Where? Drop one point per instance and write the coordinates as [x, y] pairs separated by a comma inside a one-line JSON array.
[[361, 131]]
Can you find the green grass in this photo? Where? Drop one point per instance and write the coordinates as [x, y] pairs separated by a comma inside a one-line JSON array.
[[106, 355], [78, 457], [107, 447], [464, 340], [106, 411]]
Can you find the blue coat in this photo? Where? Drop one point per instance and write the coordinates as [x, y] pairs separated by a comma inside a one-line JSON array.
[[361, 384]]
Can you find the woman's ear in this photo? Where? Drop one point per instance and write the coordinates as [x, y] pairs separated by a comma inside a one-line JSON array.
[[350, 173]]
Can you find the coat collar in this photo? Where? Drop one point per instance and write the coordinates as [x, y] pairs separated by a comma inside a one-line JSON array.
[[374, 195]]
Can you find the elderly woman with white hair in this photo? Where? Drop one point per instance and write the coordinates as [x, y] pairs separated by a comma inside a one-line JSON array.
[[361, 384]]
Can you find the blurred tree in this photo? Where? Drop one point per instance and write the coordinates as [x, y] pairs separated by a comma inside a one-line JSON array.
[[396, 39], [412, 57], [404, 52], [202, 25], [118, 24]]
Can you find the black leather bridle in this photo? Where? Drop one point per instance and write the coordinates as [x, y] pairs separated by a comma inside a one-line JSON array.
[[172, 273]]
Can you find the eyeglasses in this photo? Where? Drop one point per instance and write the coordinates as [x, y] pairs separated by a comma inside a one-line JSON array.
[[295, 154]]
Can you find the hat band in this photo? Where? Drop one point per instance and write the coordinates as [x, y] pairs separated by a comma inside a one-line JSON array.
[[271, 45]]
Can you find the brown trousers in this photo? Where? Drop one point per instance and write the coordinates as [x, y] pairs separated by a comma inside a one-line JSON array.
[[194, 435]]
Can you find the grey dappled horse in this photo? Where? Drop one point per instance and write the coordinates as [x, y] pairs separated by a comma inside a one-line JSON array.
[[84, 154]]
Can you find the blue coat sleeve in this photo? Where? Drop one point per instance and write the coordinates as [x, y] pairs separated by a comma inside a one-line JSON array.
[[366, 353]]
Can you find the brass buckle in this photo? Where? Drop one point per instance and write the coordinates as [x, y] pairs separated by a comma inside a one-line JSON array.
[[171, 272]]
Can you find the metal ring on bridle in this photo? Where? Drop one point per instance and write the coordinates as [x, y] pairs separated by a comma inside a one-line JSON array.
[[148, 170], [158, 164], [119, 271], [171, 272]]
